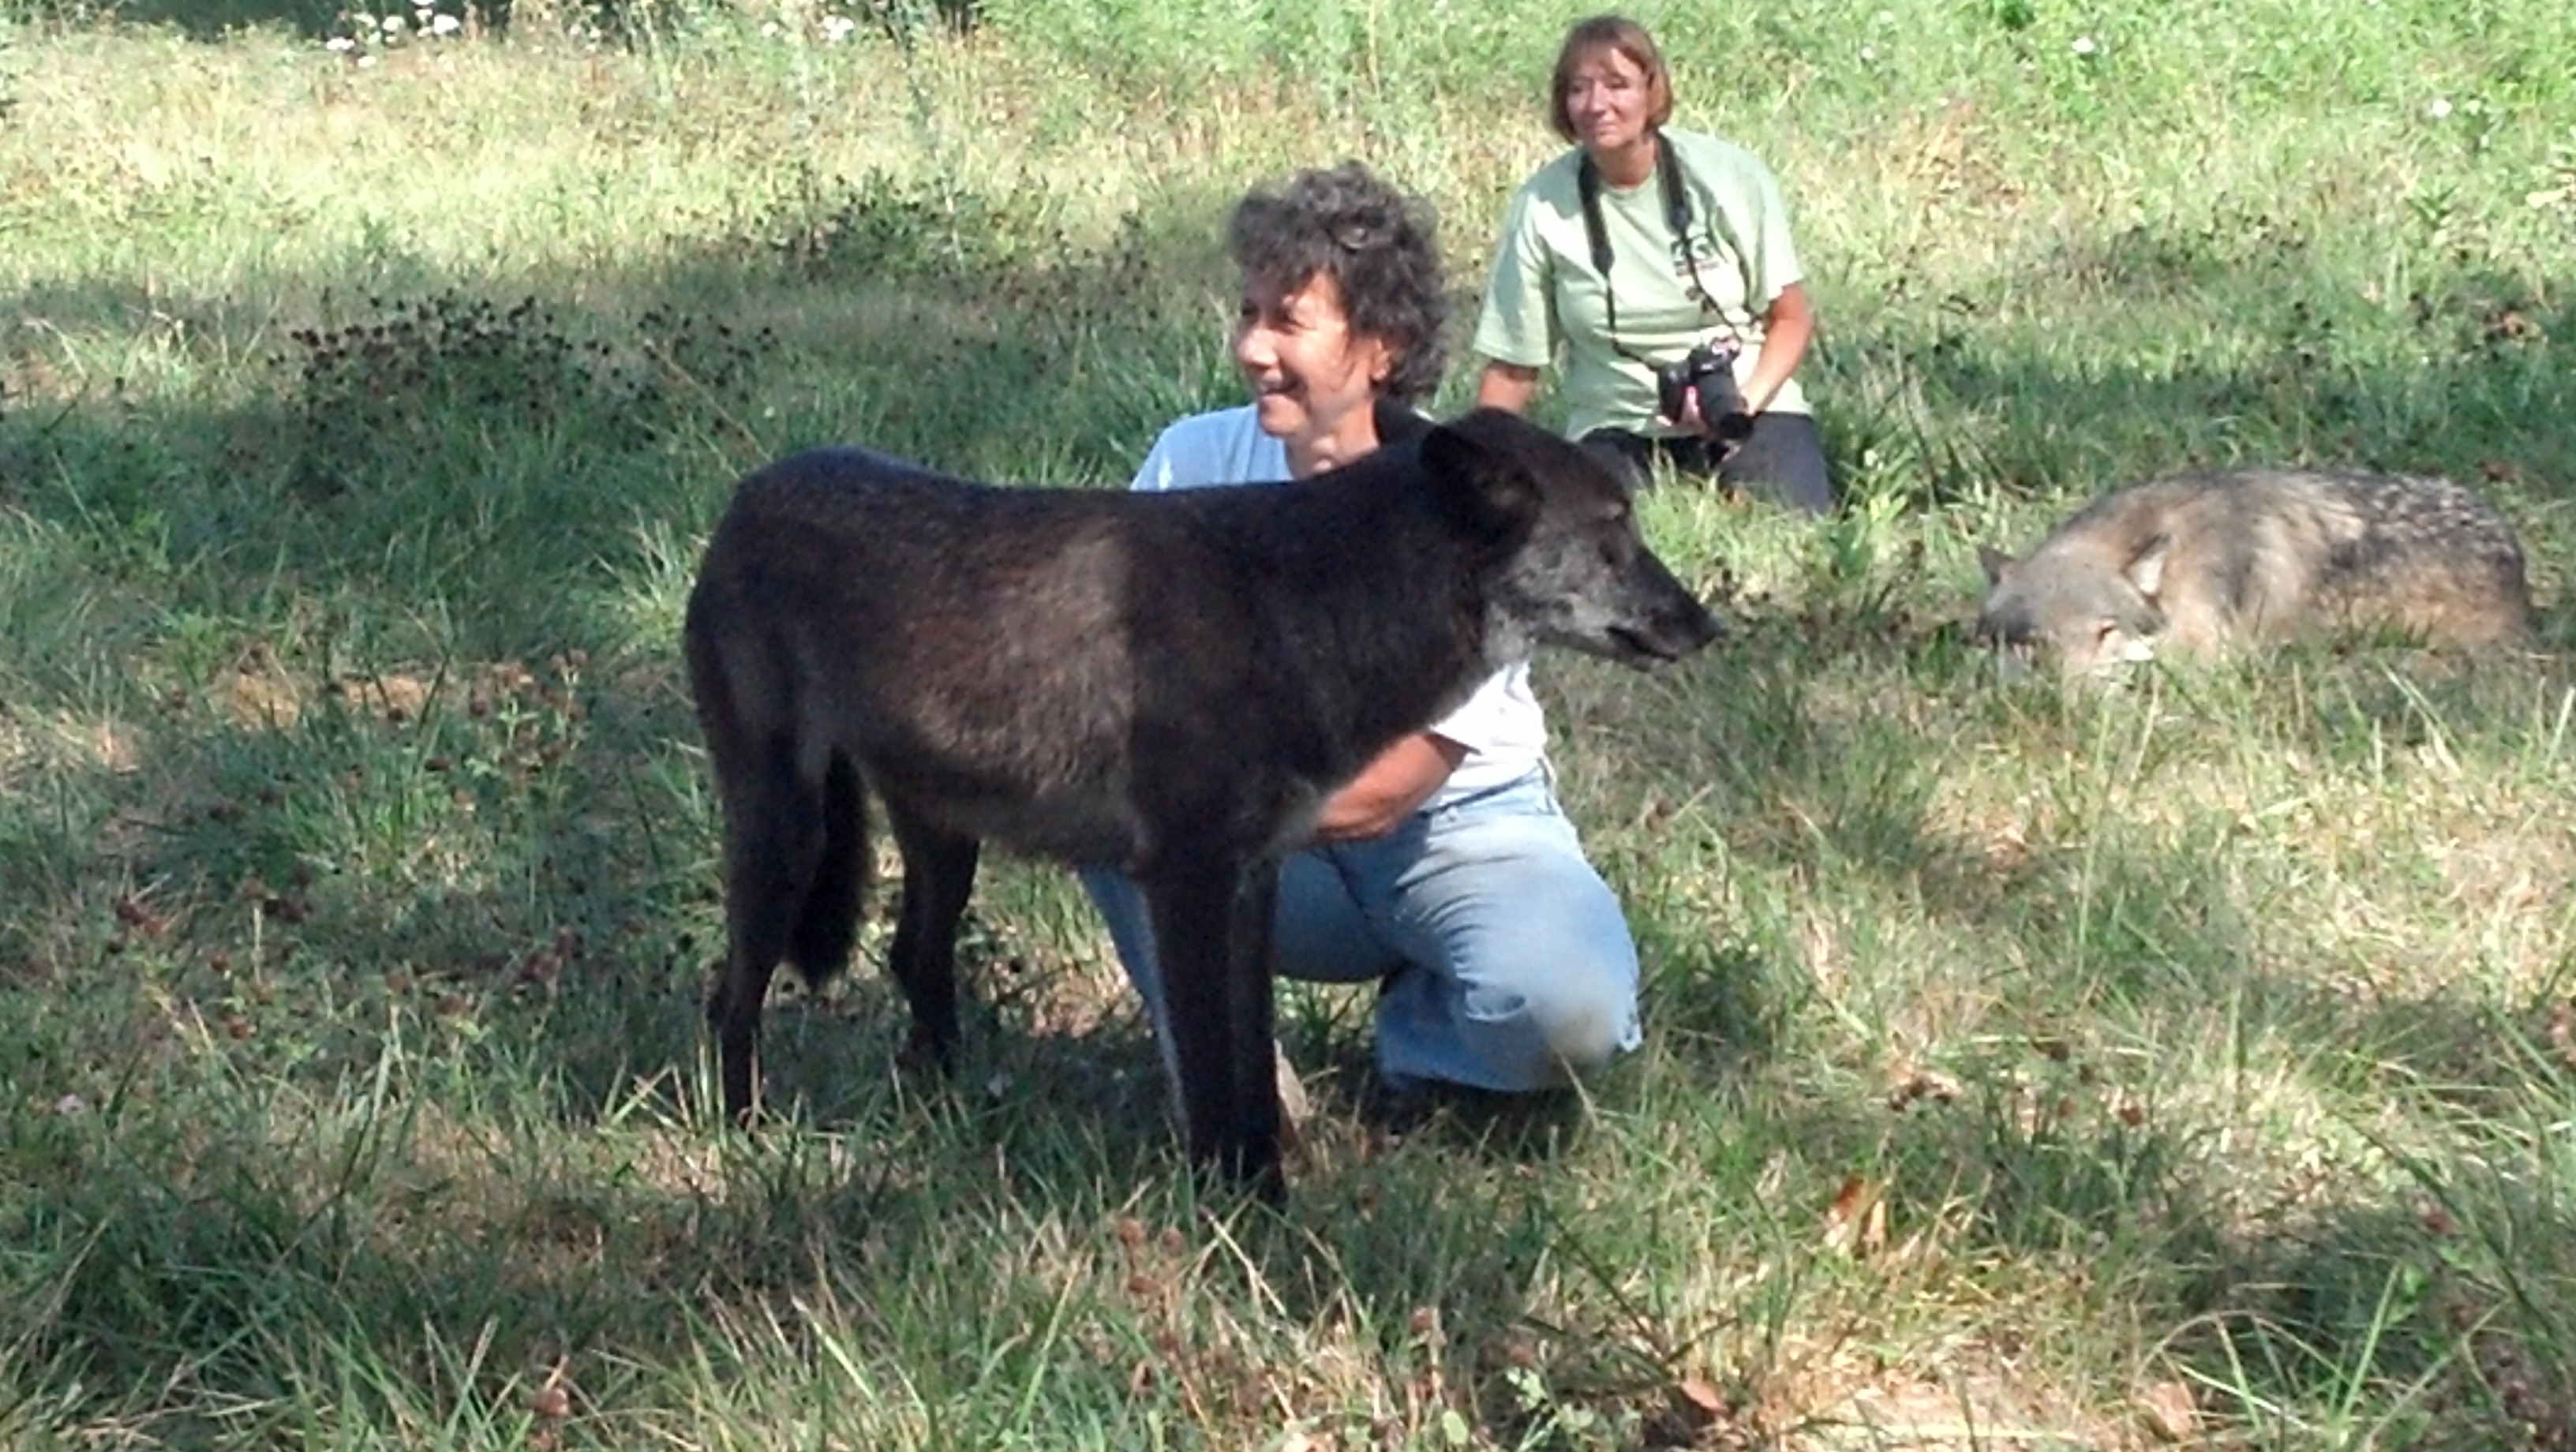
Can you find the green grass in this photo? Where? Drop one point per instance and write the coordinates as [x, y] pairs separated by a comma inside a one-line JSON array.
[[2017, 1063]]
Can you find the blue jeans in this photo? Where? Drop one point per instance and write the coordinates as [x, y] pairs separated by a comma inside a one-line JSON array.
[[1505, 962]]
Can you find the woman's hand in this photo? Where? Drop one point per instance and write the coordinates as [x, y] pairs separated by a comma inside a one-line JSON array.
[[1728, 428]]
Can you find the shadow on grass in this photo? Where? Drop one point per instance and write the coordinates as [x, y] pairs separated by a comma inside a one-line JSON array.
[[315, 19], [213, 19], [2400, 1293], [2244, 353], [431, 1248]]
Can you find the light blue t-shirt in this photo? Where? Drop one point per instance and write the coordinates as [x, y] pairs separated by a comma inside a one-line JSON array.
[[1501, 725]]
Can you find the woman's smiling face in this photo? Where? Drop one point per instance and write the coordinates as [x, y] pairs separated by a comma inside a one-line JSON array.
[[1311, 375]]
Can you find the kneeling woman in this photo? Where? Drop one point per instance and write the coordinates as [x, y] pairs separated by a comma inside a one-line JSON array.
[[1646, 250], [1446, 872]]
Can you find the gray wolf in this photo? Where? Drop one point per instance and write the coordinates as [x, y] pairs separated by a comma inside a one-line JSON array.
[[1169, 682], [2199, 563]]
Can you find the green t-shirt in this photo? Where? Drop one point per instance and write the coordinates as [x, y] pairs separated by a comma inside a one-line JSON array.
[[1545, 294]]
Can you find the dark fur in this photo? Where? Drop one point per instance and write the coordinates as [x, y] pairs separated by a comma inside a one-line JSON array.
[[1172, 683]]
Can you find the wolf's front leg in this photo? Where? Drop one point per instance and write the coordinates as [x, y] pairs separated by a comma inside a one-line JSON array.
[[1212, 925]]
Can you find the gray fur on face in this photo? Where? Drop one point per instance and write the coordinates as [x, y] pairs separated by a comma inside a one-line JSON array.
[[2205, 562]]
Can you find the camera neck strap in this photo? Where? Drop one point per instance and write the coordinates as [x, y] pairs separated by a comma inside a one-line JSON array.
[[1677, 216]]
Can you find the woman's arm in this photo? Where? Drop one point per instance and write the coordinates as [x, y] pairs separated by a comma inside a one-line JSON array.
[[1389, 789], [1506, 386], [1787, 329], [1517, 320]]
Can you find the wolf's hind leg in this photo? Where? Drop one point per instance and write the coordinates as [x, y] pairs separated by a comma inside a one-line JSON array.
[[938, 878], [774, 840]]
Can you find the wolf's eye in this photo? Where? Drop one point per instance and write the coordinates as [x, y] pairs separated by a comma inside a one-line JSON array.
[[2114, 645]]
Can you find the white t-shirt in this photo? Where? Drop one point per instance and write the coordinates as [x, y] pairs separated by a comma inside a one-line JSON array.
[[1501, 725]]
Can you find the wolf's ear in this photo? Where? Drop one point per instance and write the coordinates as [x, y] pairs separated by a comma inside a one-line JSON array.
[[1480, 467], [2147, 569], [1996, 563], [1630, 475], [1398, 423]]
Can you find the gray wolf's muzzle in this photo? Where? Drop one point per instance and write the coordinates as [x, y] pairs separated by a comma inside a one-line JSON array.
[[1681, 626]]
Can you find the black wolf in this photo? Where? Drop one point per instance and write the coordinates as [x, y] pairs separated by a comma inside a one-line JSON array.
[[2201, 562], [1172, 683]]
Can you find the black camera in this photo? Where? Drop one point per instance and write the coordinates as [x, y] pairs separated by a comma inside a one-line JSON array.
[[1710, 368]]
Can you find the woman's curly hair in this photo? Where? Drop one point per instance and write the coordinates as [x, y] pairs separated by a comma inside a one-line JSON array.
[[1379, 246]]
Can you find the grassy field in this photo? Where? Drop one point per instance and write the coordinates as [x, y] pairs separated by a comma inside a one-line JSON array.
[[2193, 1064]]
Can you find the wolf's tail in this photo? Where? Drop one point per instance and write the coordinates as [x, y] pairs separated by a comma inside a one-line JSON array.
[[827, 920], [796, 843]]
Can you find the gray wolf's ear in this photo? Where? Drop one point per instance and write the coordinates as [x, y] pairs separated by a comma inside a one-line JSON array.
[[1398, 423], [2147, 569], [1996, 563], [1631, 477], [1482, 468]]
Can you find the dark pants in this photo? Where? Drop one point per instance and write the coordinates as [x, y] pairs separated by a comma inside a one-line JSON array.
[[1782, 460]]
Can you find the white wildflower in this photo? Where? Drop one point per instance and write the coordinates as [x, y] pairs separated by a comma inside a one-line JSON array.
[[2440, 108], [2084, 45]]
